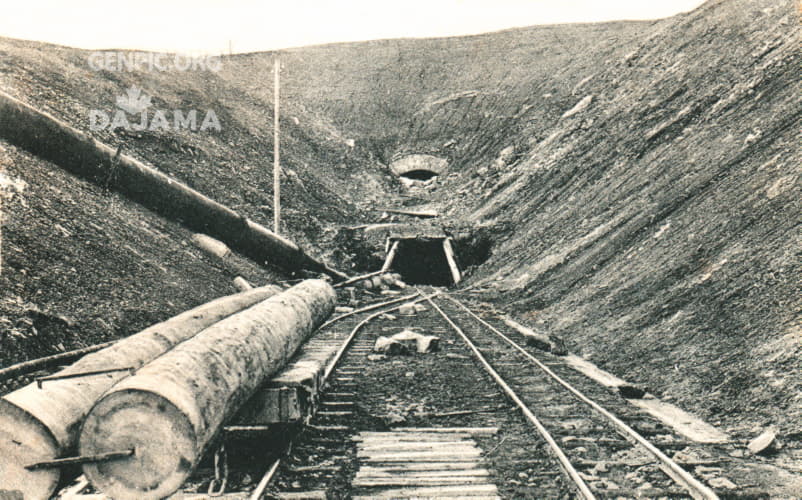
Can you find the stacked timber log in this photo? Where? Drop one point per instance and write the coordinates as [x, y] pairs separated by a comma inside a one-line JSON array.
[[170, 410], [54, 140], [41, 423]]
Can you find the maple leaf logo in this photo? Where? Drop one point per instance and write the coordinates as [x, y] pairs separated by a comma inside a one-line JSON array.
[[133, 101]]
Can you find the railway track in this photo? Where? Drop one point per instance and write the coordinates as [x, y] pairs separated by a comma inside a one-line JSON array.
[[591, 452], [457, 422], [567, 417]]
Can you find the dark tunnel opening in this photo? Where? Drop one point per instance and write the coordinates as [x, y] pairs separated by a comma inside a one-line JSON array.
[[419, 175], [422, 261]]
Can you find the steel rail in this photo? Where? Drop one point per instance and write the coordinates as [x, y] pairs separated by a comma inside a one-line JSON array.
[[271, 471], [262, 486], [366, 309], [336, 359], [347, 342], [696, 488], [569, 469]]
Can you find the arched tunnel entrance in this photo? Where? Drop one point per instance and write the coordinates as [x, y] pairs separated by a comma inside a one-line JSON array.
[[423, 260], [419, 175], [419, 167]]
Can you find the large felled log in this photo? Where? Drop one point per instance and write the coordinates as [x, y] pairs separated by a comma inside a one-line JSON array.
[[41, 424], [170, 410], [54, 140]]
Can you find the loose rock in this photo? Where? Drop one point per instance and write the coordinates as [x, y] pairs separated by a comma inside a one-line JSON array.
[[631, 392], [764, 443], [407, 309], [422, 343], [388, 346], [722, 482]]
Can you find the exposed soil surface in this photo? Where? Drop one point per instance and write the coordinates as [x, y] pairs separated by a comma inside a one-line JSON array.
[[83, 266]]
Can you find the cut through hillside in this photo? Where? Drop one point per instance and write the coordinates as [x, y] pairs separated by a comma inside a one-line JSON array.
[[641, 181]]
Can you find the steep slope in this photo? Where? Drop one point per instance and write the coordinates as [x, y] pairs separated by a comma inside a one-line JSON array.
[[658, 229], [395, 97], [82, 265], [640, 183], [232, 165]]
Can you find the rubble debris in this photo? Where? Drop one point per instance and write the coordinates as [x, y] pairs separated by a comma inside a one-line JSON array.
[[423, 343], [388, 346], [383, 282], [407, 309], [631, 392], [721, 483], [405, 342], [764, 443]]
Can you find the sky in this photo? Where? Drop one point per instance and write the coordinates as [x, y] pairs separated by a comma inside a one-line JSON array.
[[215, 26]]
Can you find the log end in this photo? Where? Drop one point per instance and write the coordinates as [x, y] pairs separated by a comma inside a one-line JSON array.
[[25, 441], [161, 436]]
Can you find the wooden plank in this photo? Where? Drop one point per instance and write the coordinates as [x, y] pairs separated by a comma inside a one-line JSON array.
[[440, 438], [335, 413], [469, 430], [406, 434], [423, 466], [202, 496], [452, 261], [452, 497], [470, 490], [329, 428], [376, 472], [271, 405], [686, 424], [458, 449], [302, 495], [416, 481], [411, 445], [430, 214], [464, 455], [388, 262]]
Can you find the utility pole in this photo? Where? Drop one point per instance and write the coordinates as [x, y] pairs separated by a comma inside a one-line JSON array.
[[276, 164]]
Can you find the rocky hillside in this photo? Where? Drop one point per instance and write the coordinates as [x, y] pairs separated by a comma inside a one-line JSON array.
[[449, 96], [658, 227]]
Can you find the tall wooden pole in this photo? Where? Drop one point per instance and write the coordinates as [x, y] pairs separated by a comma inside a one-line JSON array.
[[276, 164]]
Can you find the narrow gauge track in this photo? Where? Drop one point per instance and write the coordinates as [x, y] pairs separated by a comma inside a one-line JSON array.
[[340, 331], [602, 455], [565, 417], [593, 453]]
